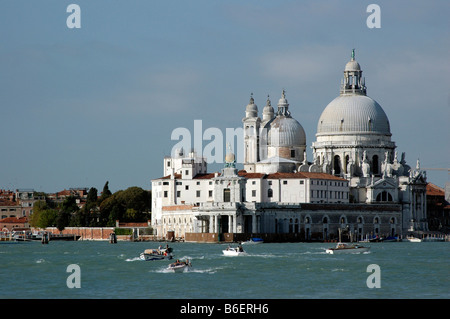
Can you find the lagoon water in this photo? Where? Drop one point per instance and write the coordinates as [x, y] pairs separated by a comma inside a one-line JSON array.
[[269, 271]]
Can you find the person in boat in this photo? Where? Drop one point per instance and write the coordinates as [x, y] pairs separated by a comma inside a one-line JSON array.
[[240, 249]]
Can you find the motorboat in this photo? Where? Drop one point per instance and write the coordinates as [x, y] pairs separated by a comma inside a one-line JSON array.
[[412, 239], [180, 266], [254, 240], [344, 248], [234, 251], [157, 254]]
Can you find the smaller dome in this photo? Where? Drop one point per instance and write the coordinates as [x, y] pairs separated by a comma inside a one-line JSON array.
[[229, 158], [268, 110], [352, 66], [286, 132]]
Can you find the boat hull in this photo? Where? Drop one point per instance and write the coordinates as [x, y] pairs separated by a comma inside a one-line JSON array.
[[412, 240], [233, 253], [178, 268], [347, 249], [334, 251], [149, 257]]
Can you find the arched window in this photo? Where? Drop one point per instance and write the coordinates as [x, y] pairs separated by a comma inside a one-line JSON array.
[[384, 196], [337, 165], [325, 220], [270, 192], [375, 168], [347, 159]]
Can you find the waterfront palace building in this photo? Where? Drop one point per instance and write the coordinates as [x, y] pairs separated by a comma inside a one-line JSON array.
[[355, 184]]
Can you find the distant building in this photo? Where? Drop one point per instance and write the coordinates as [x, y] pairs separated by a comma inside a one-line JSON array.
[[9, 209], [9, 224], [438, 209]]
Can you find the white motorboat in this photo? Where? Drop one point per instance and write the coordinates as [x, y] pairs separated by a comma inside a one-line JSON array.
[[235, 251], [156, 254], [343, 248], [412, 239], [180, 266]]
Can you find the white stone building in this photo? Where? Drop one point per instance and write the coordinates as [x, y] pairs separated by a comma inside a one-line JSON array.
[[356, 181]]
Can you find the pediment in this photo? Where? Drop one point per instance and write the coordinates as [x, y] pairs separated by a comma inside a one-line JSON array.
[[384, 183]]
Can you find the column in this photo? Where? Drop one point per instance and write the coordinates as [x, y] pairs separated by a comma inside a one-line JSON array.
[[230, 224], [254, 225], [216, 224], [211, 224]]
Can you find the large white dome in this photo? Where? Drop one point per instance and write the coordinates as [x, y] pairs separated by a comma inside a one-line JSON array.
[[353, 114]]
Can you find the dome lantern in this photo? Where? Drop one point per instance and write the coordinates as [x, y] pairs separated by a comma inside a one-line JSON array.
[[353, 82], [283, 105]]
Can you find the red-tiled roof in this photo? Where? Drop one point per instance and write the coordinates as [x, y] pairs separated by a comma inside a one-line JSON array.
[[434, 190], [6, 202], [305, 175], [176, 176], [205, 176], [64, 193], [244, 173], [14, 220]]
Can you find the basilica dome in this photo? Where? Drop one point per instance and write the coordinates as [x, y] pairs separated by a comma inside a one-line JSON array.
[[284, 130], [287, 132], [353, 113]]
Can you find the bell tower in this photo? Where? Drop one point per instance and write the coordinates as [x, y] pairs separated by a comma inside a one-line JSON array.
[[251, 123]]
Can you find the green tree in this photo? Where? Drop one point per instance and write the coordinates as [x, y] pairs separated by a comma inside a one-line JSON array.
[[43, 215], [105, 193], [47, 218], [38, 207], [67, 209], [132, 204]]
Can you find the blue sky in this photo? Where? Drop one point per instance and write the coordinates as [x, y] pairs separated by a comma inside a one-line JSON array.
[[79, 107]]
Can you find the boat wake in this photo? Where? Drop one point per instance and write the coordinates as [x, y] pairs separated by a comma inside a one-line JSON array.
[[133, 259], [164, 270]]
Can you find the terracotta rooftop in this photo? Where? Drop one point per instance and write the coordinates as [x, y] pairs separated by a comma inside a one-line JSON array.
[[6, 202], [244, 173], [434, 190], [14, 220], [305, 175]]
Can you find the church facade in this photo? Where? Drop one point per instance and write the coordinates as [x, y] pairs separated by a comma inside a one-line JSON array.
[[355, 182]]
